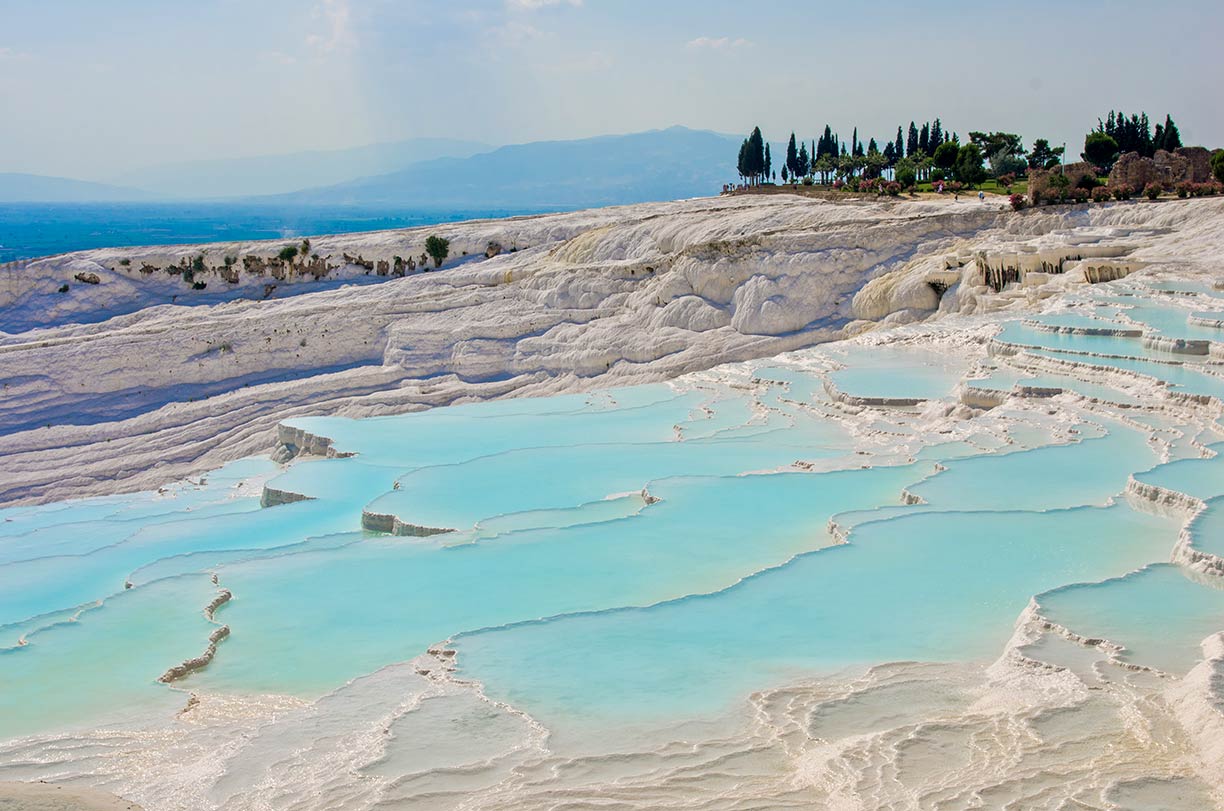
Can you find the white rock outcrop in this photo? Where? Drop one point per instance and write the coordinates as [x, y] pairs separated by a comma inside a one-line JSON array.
[[141, 379]]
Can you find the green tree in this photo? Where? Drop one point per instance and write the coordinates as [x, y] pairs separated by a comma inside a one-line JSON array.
[[911, 140], [1100, 150], [1172, 136], [907, 172], [768, 163], [898, 146], [969, 167], [1042, 156], [937, 136], [288, 253], [792, 156], [1217, 164], [804, 162], [994, 143], [755, 156], [1004, 163], [438, 249], [946, 155], [874, 164], [825, 166]]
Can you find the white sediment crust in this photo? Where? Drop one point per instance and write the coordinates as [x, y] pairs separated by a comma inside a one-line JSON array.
[[146, 390], [42, 796], [723, 281]]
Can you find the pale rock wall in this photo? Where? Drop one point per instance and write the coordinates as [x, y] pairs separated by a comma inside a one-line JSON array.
[[100, 399]]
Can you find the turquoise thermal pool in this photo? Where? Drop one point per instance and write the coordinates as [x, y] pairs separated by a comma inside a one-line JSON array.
[[596, 571]]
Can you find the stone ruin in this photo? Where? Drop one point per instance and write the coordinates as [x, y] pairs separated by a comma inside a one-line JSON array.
[[1039, 179], [1185, 164]]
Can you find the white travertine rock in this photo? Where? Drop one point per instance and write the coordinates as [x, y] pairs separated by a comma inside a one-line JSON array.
[[121, 385]]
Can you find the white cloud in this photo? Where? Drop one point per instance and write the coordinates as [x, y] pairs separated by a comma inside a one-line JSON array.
[[533, 5], [334, 17], [718, 43]]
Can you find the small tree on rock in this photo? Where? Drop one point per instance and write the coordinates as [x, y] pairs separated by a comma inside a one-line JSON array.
[[438, 249]]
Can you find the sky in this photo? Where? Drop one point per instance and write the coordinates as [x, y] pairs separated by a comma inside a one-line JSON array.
[[92, 88]]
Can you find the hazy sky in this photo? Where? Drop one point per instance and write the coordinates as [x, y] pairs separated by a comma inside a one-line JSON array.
[[89, 88]]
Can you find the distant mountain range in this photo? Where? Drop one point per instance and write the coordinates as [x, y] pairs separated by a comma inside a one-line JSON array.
[[609, 170], [16, 187], [276, 174]]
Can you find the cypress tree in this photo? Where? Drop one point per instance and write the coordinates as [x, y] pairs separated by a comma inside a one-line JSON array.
[[756, 154], [937, 136], [768, 164], [792, 155], [1172, 137], [805, 163], [741, 165], [899, 145], [924, 140], [911, 141], [1158, 140]]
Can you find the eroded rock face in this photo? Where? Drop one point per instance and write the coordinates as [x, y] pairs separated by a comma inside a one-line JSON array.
[[88, 278], [1198, 160], [1134, 170], [607, 297], [1184, 164]]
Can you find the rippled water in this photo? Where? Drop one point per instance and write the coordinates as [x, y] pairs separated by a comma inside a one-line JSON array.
[[738, 585]]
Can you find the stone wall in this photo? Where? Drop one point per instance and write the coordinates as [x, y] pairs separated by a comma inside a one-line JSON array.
[[1187, 163], [1134, 170], [1199, 160]]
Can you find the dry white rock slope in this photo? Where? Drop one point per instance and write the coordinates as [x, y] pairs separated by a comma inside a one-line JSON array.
[[138, 379]]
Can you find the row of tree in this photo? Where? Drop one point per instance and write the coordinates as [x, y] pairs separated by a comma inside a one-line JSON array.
[[1134, 134], [930, 151], [924, 153], [1118, 134]]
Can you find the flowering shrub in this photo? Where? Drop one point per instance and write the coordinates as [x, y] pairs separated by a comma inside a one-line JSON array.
[[808, 180], [1121, 191], [839, 184], [1007, 180], [1152, 190], [1183, 188], [1100, 194], [868, 185], [955, 186], [893, 189], [1079, 194], [1017, 202]]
